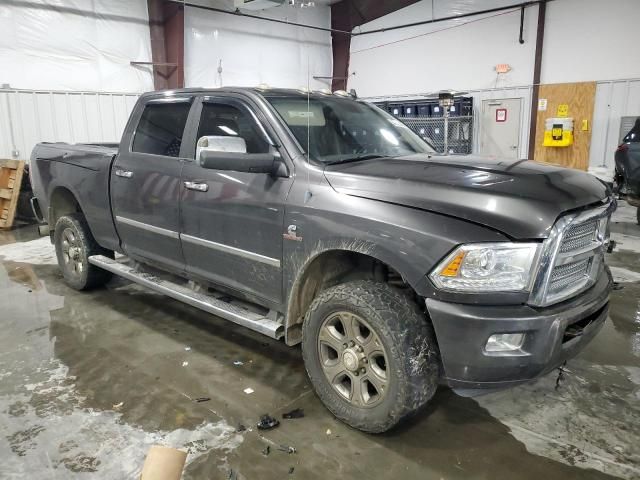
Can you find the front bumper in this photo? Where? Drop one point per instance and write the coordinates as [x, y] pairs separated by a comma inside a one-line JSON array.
[[553, 335]]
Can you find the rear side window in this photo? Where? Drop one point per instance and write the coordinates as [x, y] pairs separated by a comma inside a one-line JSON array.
[[161, 128]]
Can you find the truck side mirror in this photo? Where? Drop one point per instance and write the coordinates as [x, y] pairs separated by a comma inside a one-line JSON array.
[[218, 143], [239, 162], [230, 153]]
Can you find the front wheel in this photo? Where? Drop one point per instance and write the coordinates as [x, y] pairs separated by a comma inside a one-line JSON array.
[[370, 354], [74, 245]]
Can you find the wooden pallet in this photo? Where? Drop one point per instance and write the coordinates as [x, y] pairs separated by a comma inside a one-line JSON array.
[[10, 180]]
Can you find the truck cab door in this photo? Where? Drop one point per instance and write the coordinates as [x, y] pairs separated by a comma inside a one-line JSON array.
[[145, 182], [232, 222]]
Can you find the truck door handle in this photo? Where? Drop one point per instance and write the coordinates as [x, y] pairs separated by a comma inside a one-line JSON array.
[[123, 173], [197, 185]]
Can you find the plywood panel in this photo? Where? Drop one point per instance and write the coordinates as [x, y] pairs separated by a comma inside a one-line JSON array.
[[581, 98], [10, 181]]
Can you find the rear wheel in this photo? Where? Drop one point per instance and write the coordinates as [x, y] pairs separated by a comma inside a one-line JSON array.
[[74, 245], [638, 215], [370, 354]]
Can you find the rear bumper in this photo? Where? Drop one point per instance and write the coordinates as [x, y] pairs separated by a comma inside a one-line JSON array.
[[463, 330]]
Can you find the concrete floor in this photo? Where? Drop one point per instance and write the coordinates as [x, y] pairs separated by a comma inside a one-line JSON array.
[[88, 381]]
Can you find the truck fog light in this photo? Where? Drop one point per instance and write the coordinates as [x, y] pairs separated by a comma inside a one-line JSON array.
[[504, 342]]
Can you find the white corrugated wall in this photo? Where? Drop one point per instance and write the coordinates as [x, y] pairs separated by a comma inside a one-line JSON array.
[[614, 99], [31, 116]]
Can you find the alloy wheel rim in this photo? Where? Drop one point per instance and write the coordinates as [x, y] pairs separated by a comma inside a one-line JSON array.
[[72, 252], [353, 359]]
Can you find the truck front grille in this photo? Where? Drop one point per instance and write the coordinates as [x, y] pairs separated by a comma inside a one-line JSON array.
[[572, 256], [579, 236], [566, 276]]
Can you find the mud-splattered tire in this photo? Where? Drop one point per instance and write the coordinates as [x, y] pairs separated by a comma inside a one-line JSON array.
[[74, 244], [346, 331]]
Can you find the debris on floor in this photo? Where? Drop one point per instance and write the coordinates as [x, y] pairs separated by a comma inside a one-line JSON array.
[[328, 431], [202, 399], [187, 349], [240, 428], [561, 371], [238, 363], [267, 422], [291, 470], [117, 406], [184, 364], [266, 450], [287, 449], [248, 390], [296, 413]]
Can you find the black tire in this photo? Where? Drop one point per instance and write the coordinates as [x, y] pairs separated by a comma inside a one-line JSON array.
[[638, 215], [410, 348], [88, 276]]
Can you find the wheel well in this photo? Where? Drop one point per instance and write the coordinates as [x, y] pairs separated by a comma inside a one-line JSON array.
[[332, 268], [62, 202]]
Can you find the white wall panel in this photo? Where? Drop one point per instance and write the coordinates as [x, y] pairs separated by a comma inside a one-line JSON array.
[[434, 57], [587, 40], [75, 45], [78, 117], [614, 99], [254, 51]]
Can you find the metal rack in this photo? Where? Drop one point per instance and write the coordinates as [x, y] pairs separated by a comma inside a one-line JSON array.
[[432, 129], [447, 123]]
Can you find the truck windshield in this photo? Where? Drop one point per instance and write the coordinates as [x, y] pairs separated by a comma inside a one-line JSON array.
[[342, 130]]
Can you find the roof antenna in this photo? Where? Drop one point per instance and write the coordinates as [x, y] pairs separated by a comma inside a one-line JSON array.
[[220, 72], [308, 194]]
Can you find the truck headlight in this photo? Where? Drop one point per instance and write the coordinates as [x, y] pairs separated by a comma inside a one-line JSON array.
[[487, 267]]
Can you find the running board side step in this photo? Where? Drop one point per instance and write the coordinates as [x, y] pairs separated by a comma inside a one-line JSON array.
[[251, 320]]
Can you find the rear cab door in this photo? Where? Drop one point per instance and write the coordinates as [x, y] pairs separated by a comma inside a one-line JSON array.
[[145, 181], [232, 223]]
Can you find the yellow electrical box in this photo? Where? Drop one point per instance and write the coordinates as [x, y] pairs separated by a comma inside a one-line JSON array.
[[558, 132]]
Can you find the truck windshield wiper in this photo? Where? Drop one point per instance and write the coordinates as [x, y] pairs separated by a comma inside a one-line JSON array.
[[356, 158]]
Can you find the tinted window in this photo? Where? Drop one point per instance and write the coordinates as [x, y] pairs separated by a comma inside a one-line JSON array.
[[160, 129], [225, 120], [634, 134]]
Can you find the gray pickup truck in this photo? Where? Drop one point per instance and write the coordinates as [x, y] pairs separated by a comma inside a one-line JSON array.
[[320, 219]]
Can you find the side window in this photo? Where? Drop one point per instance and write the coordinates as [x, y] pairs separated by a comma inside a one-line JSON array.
[[219, 119], [634, 134], [160, 129]]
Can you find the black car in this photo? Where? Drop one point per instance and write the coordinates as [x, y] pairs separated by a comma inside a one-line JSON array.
[[627, 175]]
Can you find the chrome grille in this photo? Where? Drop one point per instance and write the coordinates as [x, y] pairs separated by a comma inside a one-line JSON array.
[[572, 256], [579, 236], [571, 274]]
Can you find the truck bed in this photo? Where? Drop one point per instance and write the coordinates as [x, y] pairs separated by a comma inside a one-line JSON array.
[[83, 170]]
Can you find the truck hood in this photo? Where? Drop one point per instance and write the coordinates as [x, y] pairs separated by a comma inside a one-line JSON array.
[[520, 198]]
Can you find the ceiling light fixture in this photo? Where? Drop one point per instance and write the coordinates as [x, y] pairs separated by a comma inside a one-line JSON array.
[[302, 3]]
